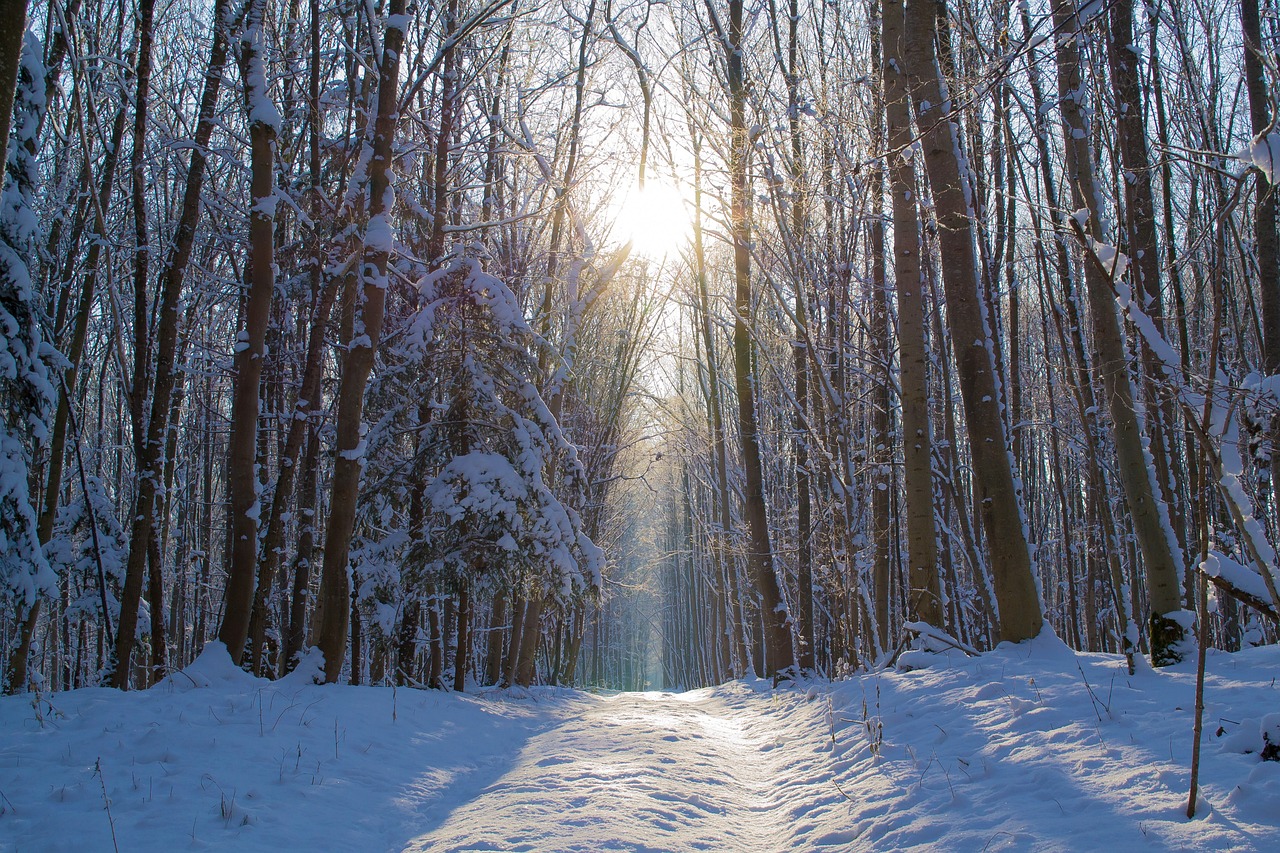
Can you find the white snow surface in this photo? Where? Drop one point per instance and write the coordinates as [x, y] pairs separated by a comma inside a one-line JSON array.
[[1029, 747]]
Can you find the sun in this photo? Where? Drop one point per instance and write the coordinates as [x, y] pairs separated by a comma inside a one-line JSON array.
[[655, 219]]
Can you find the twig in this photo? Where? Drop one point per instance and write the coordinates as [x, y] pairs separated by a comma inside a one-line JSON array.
[[1093, 697], [97, 769], [1198, 727]]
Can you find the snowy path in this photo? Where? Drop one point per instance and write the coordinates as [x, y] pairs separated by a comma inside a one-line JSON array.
[[660, 772], [1026, 748]]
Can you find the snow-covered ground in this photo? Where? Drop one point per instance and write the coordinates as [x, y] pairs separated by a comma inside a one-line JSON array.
[[1030, 747]]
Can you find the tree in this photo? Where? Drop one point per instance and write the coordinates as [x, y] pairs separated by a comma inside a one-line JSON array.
[[998, 496], [25, 392], [1149, 514], [250, 350], [151, 461], [780, 657], [917, 444], [335, 587]]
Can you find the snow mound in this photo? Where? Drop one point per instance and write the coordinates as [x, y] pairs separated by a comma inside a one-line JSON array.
[[212, 668]]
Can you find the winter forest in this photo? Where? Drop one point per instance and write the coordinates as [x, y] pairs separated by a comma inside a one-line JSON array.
[[636, 344]]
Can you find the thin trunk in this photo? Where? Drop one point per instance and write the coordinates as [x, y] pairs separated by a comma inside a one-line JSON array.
[[778, 644], [309, 394], [493, 654], [296, 636], [924, 600], [14, 12], [151, 462]]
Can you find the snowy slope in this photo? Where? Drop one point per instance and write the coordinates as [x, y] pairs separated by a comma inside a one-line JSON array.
[[1009, 751]]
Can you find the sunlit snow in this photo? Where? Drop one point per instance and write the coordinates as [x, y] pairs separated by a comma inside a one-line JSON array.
[[1029, 747]]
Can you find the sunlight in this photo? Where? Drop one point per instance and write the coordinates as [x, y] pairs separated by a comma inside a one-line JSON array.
[[655, 219]]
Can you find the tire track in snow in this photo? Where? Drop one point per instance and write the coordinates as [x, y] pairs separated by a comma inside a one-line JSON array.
[[727, 769]]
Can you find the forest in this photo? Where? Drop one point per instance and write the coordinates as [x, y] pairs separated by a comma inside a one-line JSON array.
[[633, 343]]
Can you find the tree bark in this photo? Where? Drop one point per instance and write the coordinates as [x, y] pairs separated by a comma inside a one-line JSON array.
[[1148, 513], [335, 586], [998, 497], [924, 599], [14, 12], [250, 348], [778, 642], [151, 461]]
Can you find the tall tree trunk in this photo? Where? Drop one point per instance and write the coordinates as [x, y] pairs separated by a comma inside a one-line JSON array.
[[1143, 248], [741, 660], [309, 393], [141, 333], [1148, 513], [881, 333], [244, 496], [924, 599], [800, 354], [335, 586], [151, 461], [778, 643], [1266, 242], [998, 496]]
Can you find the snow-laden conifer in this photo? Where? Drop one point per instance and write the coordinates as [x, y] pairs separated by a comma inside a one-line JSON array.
[[25, 391]]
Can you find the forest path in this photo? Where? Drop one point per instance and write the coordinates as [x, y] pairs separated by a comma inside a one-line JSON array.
[[727, 769]]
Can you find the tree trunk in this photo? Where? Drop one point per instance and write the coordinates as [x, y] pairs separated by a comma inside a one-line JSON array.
[[1266, 241], [250, 348], [462, 651], [1148, 513], [309, 393], [493, 653], [998, 496], [151, 461], [779, 646], [14, 12], [924, 599], [335, 586]]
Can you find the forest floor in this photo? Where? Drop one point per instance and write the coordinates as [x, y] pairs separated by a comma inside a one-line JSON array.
[[1028, 747]]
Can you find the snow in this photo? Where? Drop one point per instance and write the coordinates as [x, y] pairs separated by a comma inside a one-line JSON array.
[[1027, 747], [1238, 575], [1264, 153]]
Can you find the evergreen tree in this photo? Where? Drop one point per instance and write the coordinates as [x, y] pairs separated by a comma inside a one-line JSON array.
[[25, 392]]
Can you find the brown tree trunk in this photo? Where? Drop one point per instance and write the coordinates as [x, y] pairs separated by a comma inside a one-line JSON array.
[[462, 651], [1266, 242], [151, 462], [779, 646], [924, 599], [493, 653], [335, 587], [1143, 249], [309, 393], [530, 637], [14, 13], [998, 497], [250, 348], [1148, 514]]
